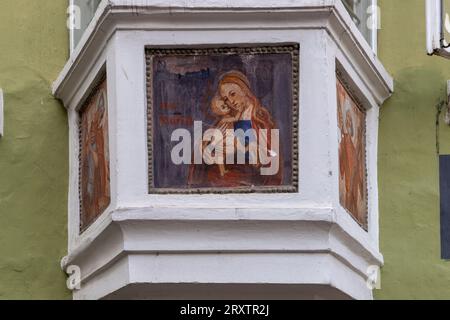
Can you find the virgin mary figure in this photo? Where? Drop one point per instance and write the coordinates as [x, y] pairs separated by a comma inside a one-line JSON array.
[[241, 110]]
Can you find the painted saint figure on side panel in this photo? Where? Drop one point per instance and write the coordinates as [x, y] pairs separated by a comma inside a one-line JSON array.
[[352, 157], [95, 176]]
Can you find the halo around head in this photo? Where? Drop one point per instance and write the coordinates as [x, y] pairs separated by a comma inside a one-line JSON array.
[[235, 77]]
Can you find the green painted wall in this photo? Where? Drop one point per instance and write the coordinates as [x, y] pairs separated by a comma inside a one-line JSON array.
[[408, 162], [34, 151]]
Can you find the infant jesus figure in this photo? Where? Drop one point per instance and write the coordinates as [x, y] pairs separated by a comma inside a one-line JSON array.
[[226, 126]]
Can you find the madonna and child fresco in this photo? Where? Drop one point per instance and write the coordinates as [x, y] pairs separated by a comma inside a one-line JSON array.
[[222, 120]]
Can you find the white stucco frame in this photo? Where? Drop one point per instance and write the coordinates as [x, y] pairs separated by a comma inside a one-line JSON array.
[[435, 39], [308, 229]]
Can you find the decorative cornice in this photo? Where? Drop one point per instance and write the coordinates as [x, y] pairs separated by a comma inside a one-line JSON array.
[[329, 15], [165, 230]]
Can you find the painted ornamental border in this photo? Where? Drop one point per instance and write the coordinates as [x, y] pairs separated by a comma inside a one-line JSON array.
[[293, 49]]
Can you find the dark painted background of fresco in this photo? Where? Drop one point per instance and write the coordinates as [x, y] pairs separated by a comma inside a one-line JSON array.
[[183, 87]]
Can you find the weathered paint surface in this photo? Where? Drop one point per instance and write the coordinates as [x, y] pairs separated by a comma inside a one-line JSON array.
[[95, 185], [33, 152], [238, 92], [352, 156], [408, 163]]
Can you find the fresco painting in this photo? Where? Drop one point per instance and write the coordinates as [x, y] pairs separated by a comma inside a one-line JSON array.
[[226, 92], [94, 157], [352, 155]]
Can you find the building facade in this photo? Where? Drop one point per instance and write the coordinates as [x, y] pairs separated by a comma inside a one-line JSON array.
[[89, 188], [410, 142], [34, 152]]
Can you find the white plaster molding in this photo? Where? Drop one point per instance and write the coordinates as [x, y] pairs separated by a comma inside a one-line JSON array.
[[140, 236], [300, 238], [224, 15]]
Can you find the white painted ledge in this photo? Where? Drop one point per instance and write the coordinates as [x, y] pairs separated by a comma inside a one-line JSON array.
[[171, 247], [301, 245]]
